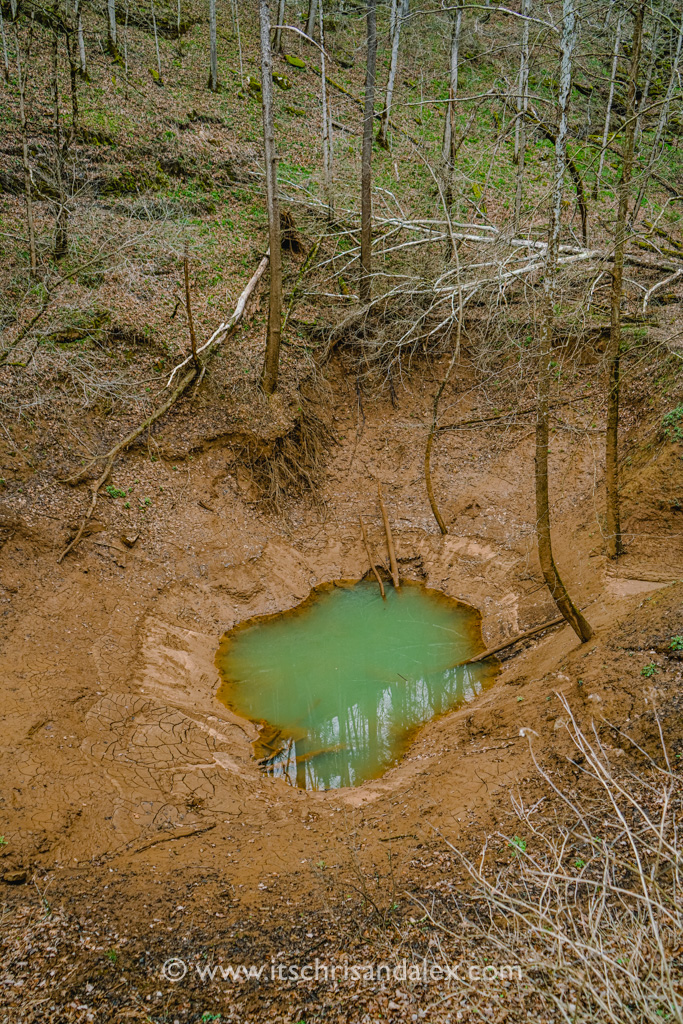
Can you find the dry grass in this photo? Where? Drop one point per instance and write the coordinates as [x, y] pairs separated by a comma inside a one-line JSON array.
[[591, 902]]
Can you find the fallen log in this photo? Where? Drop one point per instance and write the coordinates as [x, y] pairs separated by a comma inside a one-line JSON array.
[[510, 643]]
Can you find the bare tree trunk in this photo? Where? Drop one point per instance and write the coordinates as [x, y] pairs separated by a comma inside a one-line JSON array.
[[614, 542], [449, 129], [160, 80], [277, 41], [648, 81], [365, 288], [272, 360], [25, 159], [610, 99], [327, 161], [188, 304], [550, 573], [522, 104], [62, 219], [399, 11], [5, 56], [661, 125], [81, 46], [111, 41], [125, 49], [213, 72], [73, 80], [236, 20], [310, 21]]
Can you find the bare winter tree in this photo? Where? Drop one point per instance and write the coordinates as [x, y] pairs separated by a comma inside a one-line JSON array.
[[545, 551], [399, 12], [326, 120], [159, 79], [21, 81], [213, 66], [277, 40], [310, 20], [366, 165], [271, 364], [111, 37], [610, 100], [73, 78], [522, 105], [648, 77], [657, 144], [614, 541], [62, 218], [5, 56], [81, 42], [449, 129]]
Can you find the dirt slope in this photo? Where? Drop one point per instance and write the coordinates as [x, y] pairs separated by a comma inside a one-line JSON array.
[[129, 793]]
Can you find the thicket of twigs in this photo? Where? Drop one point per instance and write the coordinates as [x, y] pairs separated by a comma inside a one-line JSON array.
[[591, 902]]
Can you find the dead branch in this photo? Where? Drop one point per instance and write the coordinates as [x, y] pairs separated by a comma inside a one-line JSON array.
[[226, 329], [197, 369], [116, 450], [510, 643], [660, 284], [390, 540], [185, 834], [370, 558]]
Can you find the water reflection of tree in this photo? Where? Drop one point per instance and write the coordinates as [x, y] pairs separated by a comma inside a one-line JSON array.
[[354, 743]]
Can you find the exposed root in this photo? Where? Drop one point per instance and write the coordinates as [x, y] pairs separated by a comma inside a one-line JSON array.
[[293, 464]]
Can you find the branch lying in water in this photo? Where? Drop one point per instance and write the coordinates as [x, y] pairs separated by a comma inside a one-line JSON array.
[[509, 643]]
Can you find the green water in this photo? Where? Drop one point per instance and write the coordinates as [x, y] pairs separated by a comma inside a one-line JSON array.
[[341, 682]]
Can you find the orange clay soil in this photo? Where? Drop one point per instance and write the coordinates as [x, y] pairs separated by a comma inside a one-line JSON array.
[[130, 798]]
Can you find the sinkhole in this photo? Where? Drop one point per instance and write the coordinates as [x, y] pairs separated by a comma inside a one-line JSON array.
[[339, 684]]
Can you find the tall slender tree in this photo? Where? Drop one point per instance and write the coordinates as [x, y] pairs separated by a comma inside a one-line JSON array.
[[159, 79], [449, 129], [399, 12], [615, 545], [213, 47], [645, 94], [73, 77], [62, 218], [522, 105], [657, 144], [310, 20], [326, 119], [5, 56], [277, 40], [111, 34], [365, 288], [610, 100], [83, 69], [271, 364], [545, 552], [21, 81]]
